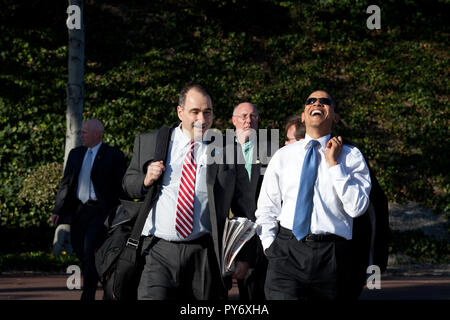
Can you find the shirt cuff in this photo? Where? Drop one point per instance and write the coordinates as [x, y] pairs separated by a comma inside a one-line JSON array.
[[266, 242], [337, 172]]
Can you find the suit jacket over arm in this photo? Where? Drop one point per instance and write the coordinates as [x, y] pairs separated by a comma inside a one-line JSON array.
[[143, 154], [227, 186]]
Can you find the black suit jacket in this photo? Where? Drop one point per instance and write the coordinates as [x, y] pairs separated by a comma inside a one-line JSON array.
[[261, 156], [227, 187], [107, 171], [371, 233]]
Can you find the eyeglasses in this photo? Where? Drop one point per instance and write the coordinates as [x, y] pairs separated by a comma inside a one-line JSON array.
[[244, 117], [326, 101]]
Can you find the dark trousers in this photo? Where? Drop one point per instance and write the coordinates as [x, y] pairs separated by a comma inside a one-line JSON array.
[[252, 287], [309, 270], [180, 270], [87, 234]]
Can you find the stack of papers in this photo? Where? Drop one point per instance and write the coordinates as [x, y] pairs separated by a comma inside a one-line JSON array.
[[236, 233]]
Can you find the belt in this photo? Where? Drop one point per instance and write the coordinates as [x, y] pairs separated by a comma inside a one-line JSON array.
[[322, 237], [204, 239], [91, 203], [314, 237]]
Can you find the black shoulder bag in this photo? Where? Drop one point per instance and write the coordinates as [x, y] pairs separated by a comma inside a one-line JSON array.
[[118, 259]]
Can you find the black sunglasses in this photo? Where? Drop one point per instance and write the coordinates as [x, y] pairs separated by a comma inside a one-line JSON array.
[[321, 101]]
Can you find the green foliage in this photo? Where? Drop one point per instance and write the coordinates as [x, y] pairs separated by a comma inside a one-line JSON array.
[[39, 190], [36, 261], [39, 187], [416, 244], [391, 84]]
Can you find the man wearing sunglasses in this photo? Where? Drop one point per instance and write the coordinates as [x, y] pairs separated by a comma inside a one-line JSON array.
[[311, 192]]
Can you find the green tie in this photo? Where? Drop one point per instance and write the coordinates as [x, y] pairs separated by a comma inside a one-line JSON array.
[[248, 159]]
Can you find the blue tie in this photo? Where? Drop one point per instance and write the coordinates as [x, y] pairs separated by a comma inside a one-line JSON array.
[[85, 178], [303, 208]]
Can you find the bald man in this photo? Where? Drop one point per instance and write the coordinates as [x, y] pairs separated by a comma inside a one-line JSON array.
[[246, 120], [89, 189]]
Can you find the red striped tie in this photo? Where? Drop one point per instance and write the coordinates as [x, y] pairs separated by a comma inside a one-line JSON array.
[[184, 222]]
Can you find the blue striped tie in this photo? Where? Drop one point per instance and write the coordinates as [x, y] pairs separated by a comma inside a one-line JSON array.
[[304, 205]]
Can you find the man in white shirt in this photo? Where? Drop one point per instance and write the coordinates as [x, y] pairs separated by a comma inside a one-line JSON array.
[[316, 264]]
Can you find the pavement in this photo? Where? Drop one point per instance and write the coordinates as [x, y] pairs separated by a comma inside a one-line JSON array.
[[395, 286]]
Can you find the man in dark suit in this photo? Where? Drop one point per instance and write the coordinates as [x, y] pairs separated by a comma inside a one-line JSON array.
[[245, 120], [89, 189], [184, 228]]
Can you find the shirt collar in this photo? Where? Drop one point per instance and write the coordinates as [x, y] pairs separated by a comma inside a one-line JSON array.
[[251, 141], [95, 149], [181, 137], [322, 140]]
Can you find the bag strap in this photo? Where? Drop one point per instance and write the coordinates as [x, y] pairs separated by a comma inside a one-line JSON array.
[[162, 146]]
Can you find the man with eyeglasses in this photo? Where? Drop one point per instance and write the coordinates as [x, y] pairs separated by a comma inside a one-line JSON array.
[[245, 120], [311, 192]]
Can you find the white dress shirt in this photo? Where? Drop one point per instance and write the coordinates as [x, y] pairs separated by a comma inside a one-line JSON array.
[[341, 192], [161, 219], [92, 195]]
